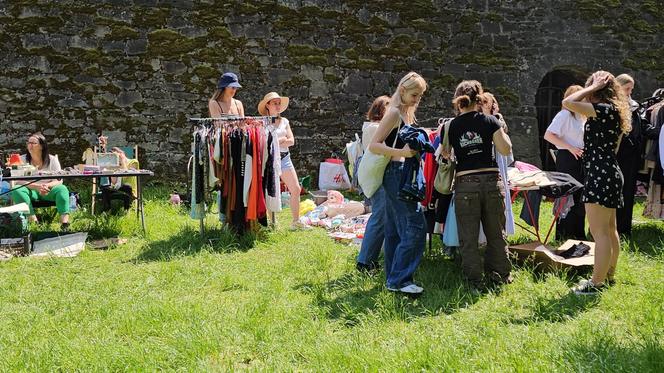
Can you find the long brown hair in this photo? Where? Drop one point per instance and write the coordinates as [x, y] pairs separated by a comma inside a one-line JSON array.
[[46, 160], [377, 109], [467, 94], [613, 94]]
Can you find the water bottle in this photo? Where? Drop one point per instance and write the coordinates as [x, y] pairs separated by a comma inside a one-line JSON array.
[[72, 202]]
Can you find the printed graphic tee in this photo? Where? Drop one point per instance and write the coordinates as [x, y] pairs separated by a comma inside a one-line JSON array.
[[471, 137]]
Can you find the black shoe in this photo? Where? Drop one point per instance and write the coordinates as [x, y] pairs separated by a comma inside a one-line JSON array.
[[64, 227], [370, 268], [499, 279]]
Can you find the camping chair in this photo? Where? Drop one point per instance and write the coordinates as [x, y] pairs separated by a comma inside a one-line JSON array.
[[131, 152]]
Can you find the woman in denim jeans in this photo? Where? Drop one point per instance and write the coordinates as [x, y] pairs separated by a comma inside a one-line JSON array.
[[479, 192], [367, 259], [404, 224]]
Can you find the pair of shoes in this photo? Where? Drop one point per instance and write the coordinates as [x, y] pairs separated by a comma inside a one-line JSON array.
[[499, 279], [587, 287], [410, 289], [370, 268], [296, 225]]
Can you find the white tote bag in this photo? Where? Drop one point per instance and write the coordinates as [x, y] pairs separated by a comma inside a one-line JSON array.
[[332, 175], [371, 169]]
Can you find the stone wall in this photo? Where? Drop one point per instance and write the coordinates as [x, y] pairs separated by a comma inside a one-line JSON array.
[[137, 69]]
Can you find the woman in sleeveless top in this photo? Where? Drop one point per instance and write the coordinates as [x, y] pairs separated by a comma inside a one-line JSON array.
[[609, 117], [273, 104], [404, 224], [222, 101]]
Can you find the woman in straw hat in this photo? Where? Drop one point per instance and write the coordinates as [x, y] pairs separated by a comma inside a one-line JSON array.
[[222, 101], [273, 105]]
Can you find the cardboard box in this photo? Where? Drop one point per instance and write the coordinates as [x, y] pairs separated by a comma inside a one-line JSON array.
[[549, 259]]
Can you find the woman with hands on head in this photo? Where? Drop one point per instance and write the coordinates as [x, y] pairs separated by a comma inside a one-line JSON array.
[[566, 133], [603, 102], [404, 224]]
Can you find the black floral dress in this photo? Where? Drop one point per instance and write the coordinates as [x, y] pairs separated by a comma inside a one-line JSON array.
[[603, 178]]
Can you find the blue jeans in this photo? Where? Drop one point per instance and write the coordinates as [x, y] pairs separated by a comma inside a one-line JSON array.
[[405, 231], [374, 233]]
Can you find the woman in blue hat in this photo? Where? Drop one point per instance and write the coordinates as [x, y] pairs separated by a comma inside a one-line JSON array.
[[222, 101]]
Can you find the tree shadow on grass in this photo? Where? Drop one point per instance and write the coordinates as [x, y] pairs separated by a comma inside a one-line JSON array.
[[556, 310], [600, 350], [190, 242], [355, 297], [648, 239]]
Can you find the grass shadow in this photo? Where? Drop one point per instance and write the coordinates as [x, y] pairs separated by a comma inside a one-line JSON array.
[[648, 239], [355, 298], [555, 310], [188, 241], [602, 351]]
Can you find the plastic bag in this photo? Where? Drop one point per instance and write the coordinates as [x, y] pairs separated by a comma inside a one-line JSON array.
[[333, 176], [451, 232]]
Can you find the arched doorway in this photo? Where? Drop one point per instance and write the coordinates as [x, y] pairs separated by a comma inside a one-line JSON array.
[[548, 103]]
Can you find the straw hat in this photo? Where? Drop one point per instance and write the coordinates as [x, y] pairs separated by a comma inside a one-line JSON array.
[[262, 109]]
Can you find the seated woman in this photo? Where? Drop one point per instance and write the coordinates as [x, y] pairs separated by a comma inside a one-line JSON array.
[[43, 190], [119, 188]]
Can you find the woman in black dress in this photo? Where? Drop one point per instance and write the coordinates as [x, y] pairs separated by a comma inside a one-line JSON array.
[[608, 118]]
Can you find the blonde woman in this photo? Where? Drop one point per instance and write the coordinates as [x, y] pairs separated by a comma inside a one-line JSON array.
[[222, 101], [629, 158], [273, 104], [404, 223], [566, 133], [608, 118]]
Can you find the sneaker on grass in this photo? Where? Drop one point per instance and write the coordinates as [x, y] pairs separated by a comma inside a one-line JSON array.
[[410, 289], [586, 287]]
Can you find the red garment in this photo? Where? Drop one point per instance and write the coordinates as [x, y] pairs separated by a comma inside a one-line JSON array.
[[430, 170], [252, 201]]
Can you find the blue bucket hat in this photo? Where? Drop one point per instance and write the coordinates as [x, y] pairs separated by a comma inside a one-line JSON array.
[[228, 80]]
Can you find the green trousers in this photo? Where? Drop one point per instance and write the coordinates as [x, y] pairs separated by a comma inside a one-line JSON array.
[[58, 194]]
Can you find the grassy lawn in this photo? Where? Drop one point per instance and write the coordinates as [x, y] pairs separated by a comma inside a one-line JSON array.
[[282, 300]]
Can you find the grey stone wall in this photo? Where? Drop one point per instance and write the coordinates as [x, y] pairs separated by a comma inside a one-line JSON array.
[[137, 69]]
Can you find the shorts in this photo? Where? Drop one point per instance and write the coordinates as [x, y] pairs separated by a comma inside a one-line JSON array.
[[286, 162]]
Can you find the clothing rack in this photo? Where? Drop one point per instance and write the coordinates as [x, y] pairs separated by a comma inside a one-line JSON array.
[[208, 121], [229, 118]]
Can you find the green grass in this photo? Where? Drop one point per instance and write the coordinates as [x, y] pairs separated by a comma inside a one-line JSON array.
[[281, 300]]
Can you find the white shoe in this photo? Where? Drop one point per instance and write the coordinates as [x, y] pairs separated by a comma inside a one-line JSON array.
[[408, 289]]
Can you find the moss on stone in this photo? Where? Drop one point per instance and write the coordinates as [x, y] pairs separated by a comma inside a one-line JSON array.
[[486, 58], [151, 17], [444, 81], [34, 25], [297, 82], [205, 72], [469, 22], [331, 78], [308, 55], [171, 44], [122, 33], [494, 17], [506, 94]]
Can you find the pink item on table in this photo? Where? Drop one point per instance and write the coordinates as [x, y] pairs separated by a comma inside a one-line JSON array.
[[523, 166]]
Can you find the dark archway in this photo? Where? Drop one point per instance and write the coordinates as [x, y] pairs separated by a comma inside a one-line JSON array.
[[548, 103]]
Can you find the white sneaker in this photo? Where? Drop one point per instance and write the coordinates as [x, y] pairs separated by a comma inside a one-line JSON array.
[[408, 289]]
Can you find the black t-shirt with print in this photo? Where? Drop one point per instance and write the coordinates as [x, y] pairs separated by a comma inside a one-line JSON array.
[[471, 137]]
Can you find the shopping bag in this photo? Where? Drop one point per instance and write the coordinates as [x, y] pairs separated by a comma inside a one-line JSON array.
[[443, 182], [332, 175], [370, 172], [451, 232]]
